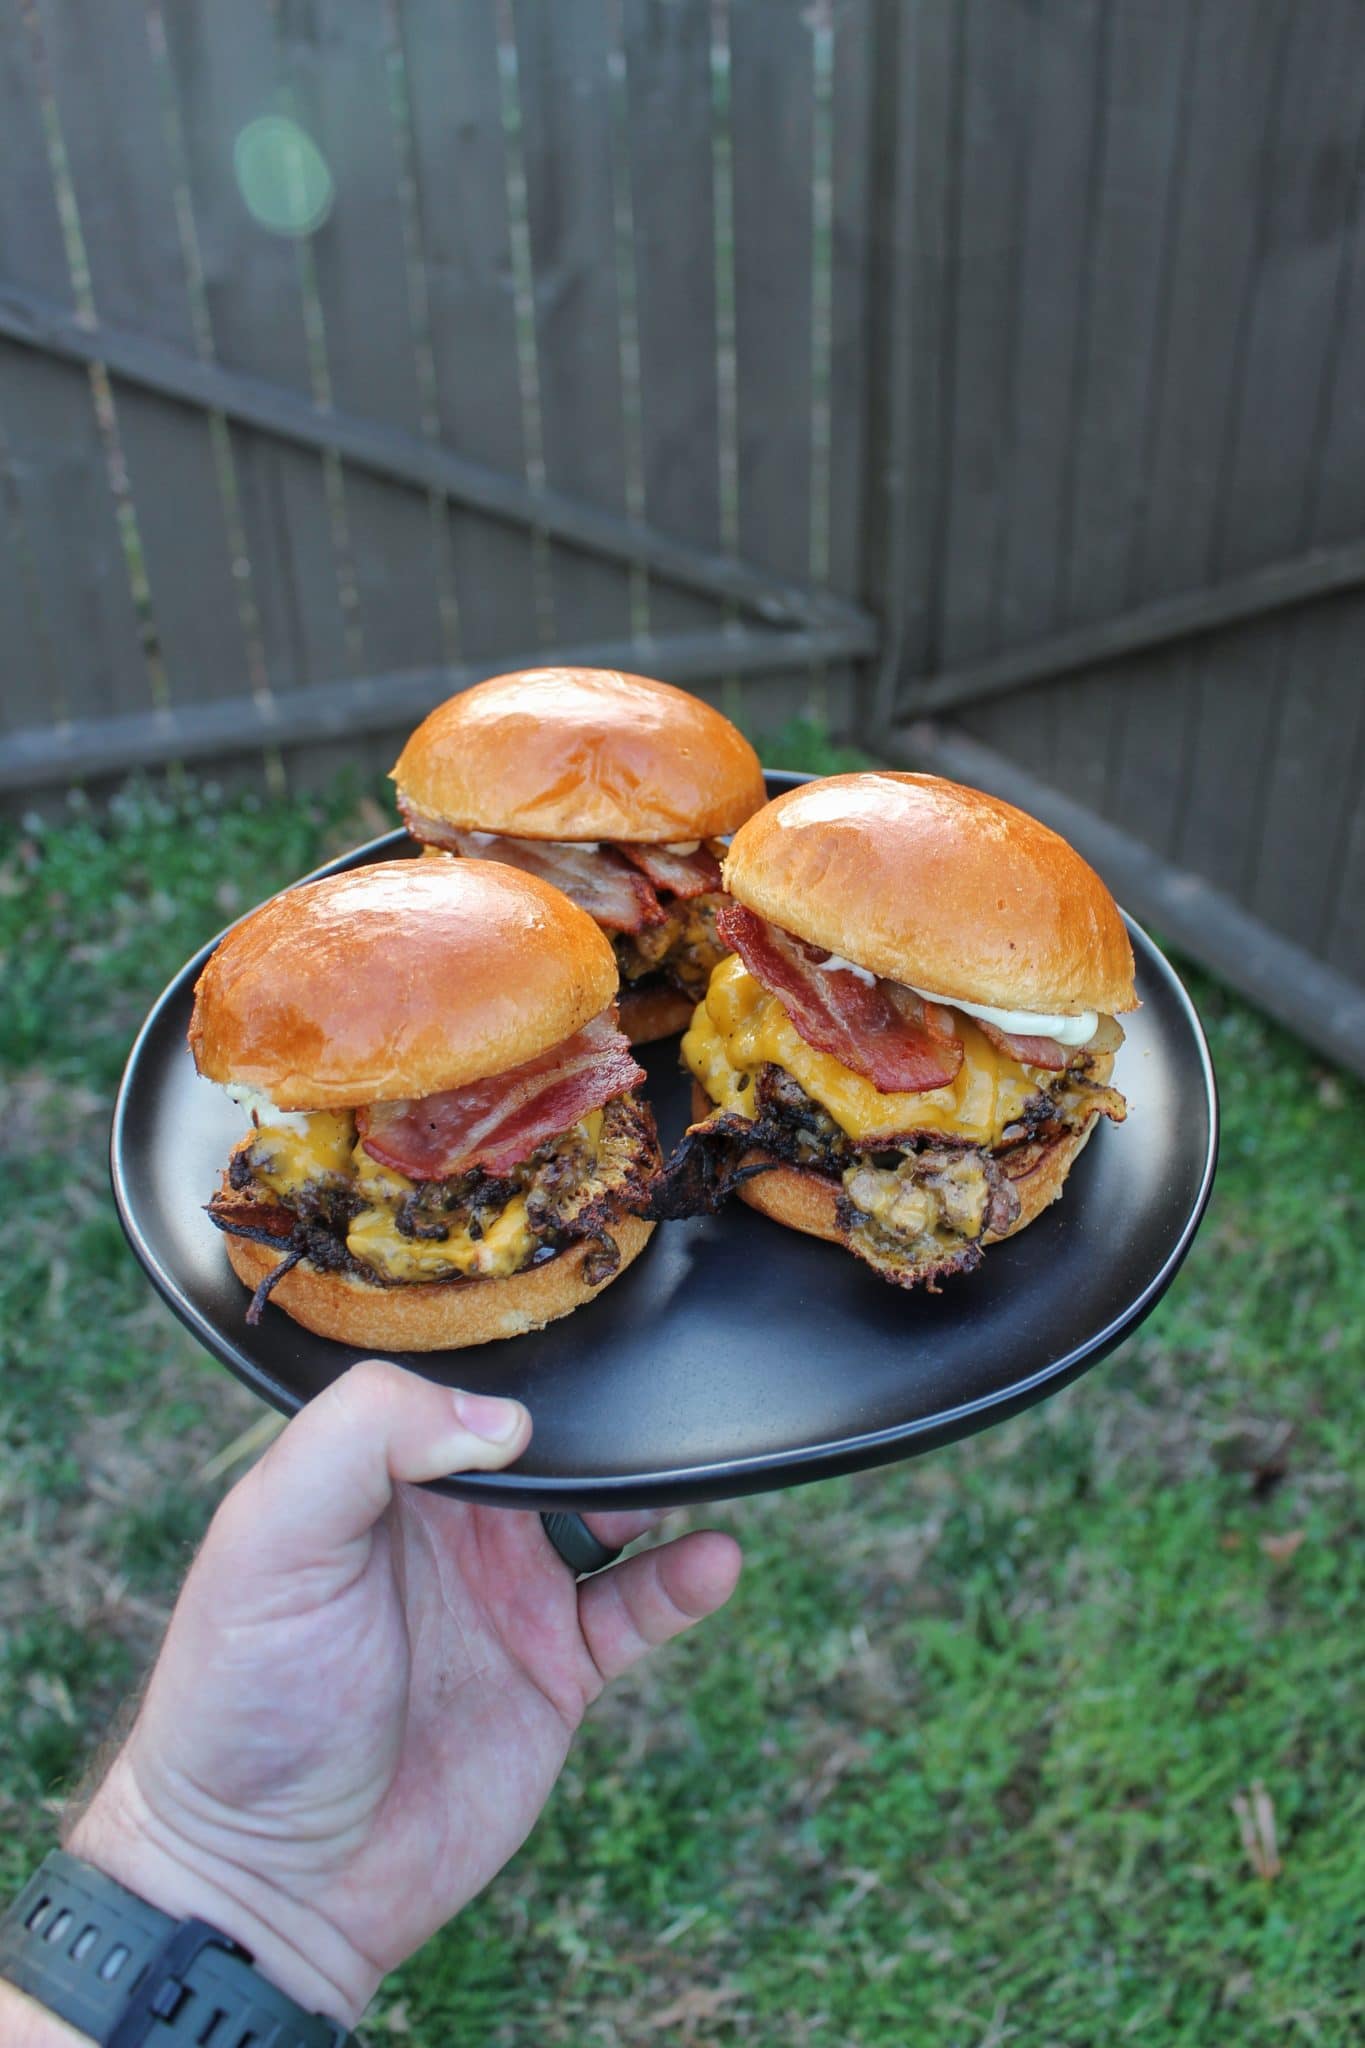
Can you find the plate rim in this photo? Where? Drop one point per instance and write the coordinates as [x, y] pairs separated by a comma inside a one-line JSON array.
[[718, 1479]]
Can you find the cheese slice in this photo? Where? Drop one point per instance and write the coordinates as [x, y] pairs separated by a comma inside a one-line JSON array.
[[739, 1027]]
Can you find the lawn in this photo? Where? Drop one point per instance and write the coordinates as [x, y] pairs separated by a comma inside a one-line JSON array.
[[961, 1763]]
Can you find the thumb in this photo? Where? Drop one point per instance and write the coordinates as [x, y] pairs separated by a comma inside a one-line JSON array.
[[329, 1476]]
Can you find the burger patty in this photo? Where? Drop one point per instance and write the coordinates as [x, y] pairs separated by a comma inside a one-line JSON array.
[[572, 1193], [682, 950], [916, 1210]]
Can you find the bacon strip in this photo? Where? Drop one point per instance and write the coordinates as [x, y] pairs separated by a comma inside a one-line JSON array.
[[1030, 1052], [683, 874], [610, 889], [498, 1122], [882, 1031]]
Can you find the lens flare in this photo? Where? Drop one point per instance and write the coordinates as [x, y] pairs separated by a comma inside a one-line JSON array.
[[282, 176]]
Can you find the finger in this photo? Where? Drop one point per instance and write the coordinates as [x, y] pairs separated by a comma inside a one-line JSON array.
[[647, 1600], [329, 1476], [622, 1525]]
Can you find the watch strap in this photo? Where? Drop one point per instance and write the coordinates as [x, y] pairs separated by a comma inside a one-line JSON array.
[[125, 1973]]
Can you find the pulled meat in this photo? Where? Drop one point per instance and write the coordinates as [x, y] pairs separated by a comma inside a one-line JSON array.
[[571, 1198], [681, 951], [915, 1211]]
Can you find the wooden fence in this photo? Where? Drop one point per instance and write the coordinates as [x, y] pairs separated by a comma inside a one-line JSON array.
[[988, 372]]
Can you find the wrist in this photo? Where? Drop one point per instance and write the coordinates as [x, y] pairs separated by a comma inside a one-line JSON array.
[[295, 1947]]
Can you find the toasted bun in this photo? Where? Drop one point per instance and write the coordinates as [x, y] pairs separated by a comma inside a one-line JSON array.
[[807, 1201], [432, 1315], [400, 979], [581, 753], [657, 1011], [939, 886]]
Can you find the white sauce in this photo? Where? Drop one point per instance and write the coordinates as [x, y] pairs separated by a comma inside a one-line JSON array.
[[1025, 1023], [1077, 1030], [835, 964], [258, 1104], [681, 846]]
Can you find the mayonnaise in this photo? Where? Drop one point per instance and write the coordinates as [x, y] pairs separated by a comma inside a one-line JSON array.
[[258, 1105], [1078, 1030]]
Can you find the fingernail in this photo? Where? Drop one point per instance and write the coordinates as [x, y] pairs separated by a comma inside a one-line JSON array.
[[489, 1416]]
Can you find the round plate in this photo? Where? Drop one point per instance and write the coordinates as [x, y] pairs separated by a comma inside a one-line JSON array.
[[734, 1356]]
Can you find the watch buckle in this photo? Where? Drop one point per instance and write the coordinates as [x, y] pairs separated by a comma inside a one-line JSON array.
[[158, 1990]]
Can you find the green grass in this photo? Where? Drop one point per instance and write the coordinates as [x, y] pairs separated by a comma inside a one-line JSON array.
[[958, 1765]]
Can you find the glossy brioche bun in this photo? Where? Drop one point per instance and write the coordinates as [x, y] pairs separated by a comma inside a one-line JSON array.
[[658, 1011], [943, 887], [432, 1315], [581, 753], [807, 1201], [400, 979]]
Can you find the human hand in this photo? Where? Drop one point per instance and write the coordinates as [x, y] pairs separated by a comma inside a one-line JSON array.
[[367, 1691]]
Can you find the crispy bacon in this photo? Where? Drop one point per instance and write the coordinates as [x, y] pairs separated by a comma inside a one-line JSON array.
[[880, 1030], [682, 874], [596, 878], [499, 1122], [1030, 1052]]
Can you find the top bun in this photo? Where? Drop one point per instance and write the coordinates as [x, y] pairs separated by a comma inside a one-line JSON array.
[[401, 979], [581, 753], [939, 886]]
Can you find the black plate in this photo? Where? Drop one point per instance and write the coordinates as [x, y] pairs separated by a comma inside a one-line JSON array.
[[735, 1356]]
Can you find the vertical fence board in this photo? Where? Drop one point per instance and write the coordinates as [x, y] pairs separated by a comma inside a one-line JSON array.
[[919, 57], [566, 154], [772, 105], [668, 86], [26, 681], [1266, 503], [851, 259], [224, 73], [48, 422], [1000, 63], [460, 167], [1318, 744], [1125, 292], [126, 202], [335, 59]]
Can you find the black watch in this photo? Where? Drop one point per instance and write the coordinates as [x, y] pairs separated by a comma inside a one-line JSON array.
[[124, 1973]]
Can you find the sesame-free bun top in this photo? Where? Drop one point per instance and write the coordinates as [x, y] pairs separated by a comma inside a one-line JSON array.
[[400, 979], [943, 887], [581, 753]]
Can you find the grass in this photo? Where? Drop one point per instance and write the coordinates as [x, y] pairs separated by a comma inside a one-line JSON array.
[[958, 1765]]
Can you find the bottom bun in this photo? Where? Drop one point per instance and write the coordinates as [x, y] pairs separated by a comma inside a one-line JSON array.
[[433, 1315], [808, 1201], [657, 1010]]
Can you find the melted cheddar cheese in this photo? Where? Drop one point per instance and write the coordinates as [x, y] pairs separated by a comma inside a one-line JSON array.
[[285, 1160], [739, 1027]]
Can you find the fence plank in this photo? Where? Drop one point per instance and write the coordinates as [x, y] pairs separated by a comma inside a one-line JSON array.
[[27, 684], [48, 423], [851, 260], [919, 65], [460, 167], [672, 190], [224, 75], [335, 61], [565, 140], [126, 201], [1000, 68], [771, 130], [1266, 502]]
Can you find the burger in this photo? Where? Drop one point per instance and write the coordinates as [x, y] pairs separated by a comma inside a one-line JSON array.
[[912, 1034], [446, 1142], [616, 789]]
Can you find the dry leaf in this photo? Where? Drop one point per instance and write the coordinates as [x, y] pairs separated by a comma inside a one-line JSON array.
[[1281, 1547]]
